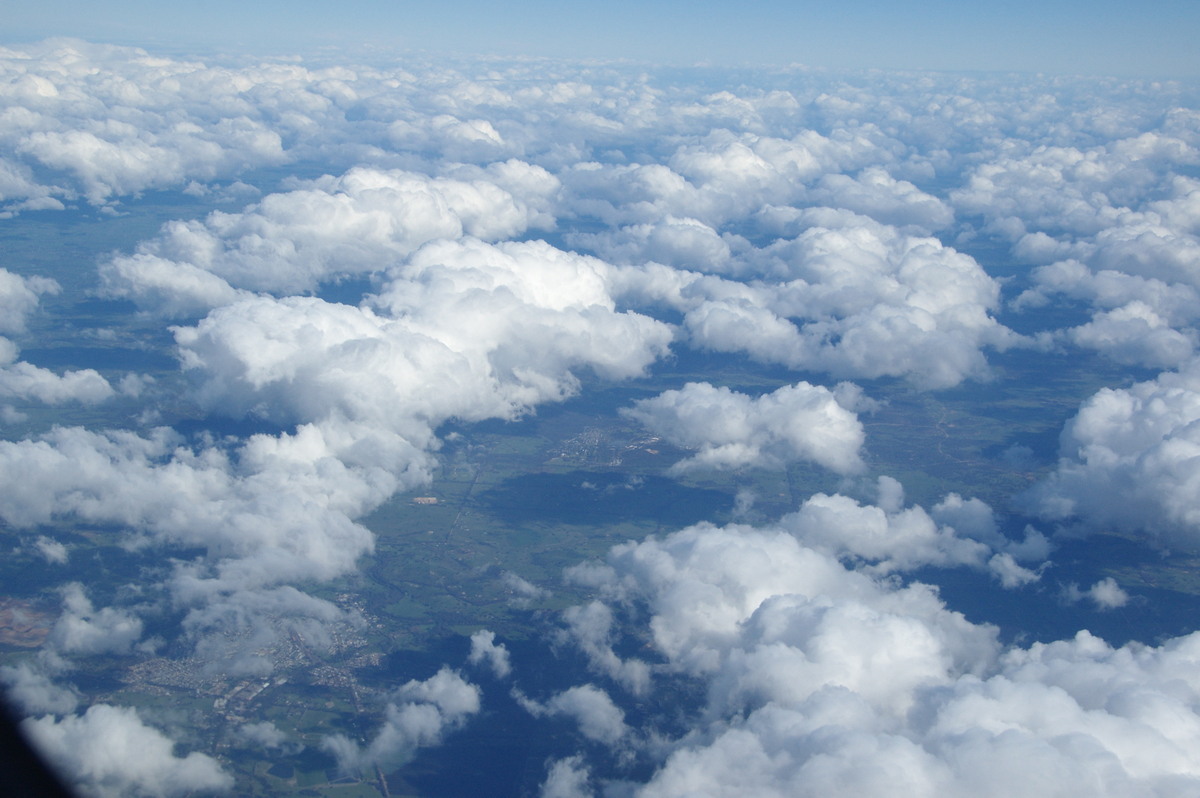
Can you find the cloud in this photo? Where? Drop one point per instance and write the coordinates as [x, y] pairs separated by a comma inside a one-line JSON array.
[[733, 430], [362, 391], [1114, 225], [1105, 594], [599, 719], [890, 537], [81, 629], [1067, 189], [878, 195], [485, 649], [31, 686], [1135, 334], [19, 299], [523, 590], [568, 778], [848, 297], [266, 734], [677, 242], [280, 512], [819, 679], [419, 715], [1137, 319], [1127, 460], [590, 627], [110, 751], [97, 122], [52, 550], [535, 312], [323, 230], [25, 381]]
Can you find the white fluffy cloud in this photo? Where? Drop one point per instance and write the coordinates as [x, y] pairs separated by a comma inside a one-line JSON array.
[[720, 177], [733, 430], [485, 649], [568, 778], [97, 122], [360, 222], [81, 629], [1105, 594], [847, 296], [1128, 460], [279, 514], [21, 380], [464, 329], [264, 734], [19, 299], [598, 718], [32, 687], [820, 680], [1115, 225], [890, 537], [1071, 190], [110, 752], [419, 715]]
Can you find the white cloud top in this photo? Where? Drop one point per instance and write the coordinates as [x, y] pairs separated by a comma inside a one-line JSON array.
[[1128, 460], [110, 752], [819, 679], [733, 430]]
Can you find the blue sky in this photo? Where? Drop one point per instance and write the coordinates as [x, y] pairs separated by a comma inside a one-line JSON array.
[[1155, 38]]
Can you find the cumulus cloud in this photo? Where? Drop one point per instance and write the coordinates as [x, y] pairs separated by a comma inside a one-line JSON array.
[[717, 177], [325, 229], [419, 715], [849, 297], [1105, 594], [1127, 460], [891, 537], [1136, 319], [53, 550], [590, 627], [1069, 189], [109, 751], [820, 679], [523, 591], [265, 734], [82, 629], [158, 487], [733, 430], [19, 299], [1113, 225], [31, 686], [485, 649], [22, 380], [568, 778], [877, 194], [680, 243], [1135, 334], [534, 313], [599, 719], [97, 122], [463, 330]]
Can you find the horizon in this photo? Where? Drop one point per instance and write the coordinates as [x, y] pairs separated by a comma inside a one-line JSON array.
[[1061, 37]]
